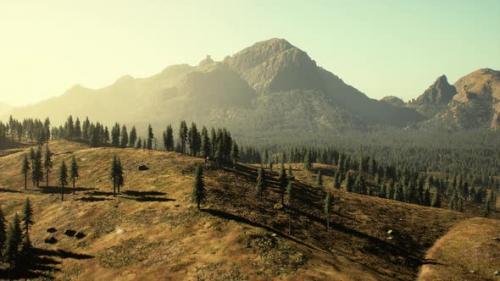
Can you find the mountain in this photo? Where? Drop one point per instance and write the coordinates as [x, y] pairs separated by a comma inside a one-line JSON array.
[[476, 103], [435, 98], [270, 88], [393, 100]]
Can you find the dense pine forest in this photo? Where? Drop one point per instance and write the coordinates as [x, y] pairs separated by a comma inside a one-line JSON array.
[[427, 168]]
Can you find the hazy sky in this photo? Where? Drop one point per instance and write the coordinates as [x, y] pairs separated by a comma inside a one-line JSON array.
[[380, 47]]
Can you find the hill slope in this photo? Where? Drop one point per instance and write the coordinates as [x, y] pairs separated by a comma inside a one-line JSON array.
[[152, 231]]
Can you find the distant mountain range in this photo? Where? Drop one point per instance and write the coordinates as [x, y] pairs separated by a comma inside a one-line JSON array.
[[273, 88]]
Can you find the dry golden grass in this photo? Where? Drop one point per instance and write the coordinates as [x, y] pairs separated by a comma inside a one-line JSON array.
[[153, 232], [469, 251]]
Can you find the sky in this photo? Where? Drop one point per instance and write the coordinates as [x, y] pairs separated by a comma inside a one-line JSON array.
[[383, 47]]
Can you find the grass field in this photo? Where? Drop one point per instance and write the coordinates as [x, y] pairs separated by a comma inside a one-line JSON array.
[[152, 231]]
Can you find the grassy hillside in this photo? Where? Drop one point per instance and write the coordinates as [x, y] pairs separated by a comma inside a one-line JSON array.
[[152, 231]]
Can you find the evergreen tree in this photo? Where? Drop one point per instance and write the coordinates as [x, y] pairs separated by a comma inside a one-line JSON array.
[[63, 178], [398, 192], [12, 243], [194, 140], [183, 136], [117, 175], [349, 182], [27, 216], [73, 174], [25, 170], [205, 143], [124, 137], [336, 180], [235, 154], [37, 171], [199, 192], [132, 139], [426, 200], [139, 144], [360, 185], [307, 162], [283, 181], [319, 179], [115, 135], [78, 129], [47, 163], [327, 208], [150, 138], [120, 178], [261, 184], [436, 199], [168, 139]]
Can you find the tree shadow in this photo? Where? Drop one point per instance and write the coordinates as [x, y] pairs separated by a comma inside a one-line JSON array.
[[93, 199], [40, 264], [146, 196], [67, 190], [9, 190]]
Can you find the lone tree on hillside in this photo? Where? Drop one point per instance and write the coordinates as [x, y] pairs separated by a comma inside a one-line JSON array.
[[27, 217], [63, 178], [327, 208], [47, 163], [261, 182], [283, 181], [116, 175], [199, 192], [73, 172], [25, 170]]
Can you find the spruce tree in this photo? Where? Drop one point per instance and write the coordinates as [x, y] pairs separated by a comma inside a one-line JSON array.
[[114, 174], [27, 216], [183, 136], [150, 138], [436, 199], [199, 192], [119, 175], [327, 208], [124, 137], [319, 179], [73, 174], [139, 144], [63, 178], [206, 146], [426, 200], [25, 170], [235, 154], [115, 135], [47, 164], [307, 162], [260, 185], [12, 243], [283, 181], [132, 139], [37, 170]]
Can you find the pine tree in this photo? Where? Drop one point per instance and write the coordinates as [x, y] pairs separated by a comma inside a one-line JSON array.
[[115, 135], [132, 139], [73, 174], [150, 138], [119, 174], [25, 170], [283, 181], [116, 174], [12, 243], [63, 178], [206, 146], [319, 179], [307, 162], [27, 216], [199, 192], [436, 199], [47, 163], [183, 135], [235, 154], [124, 137], [327, 208], [37, 171], [261, 184], [336, 180], [398, 192], [426, 200], [139, 144]]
